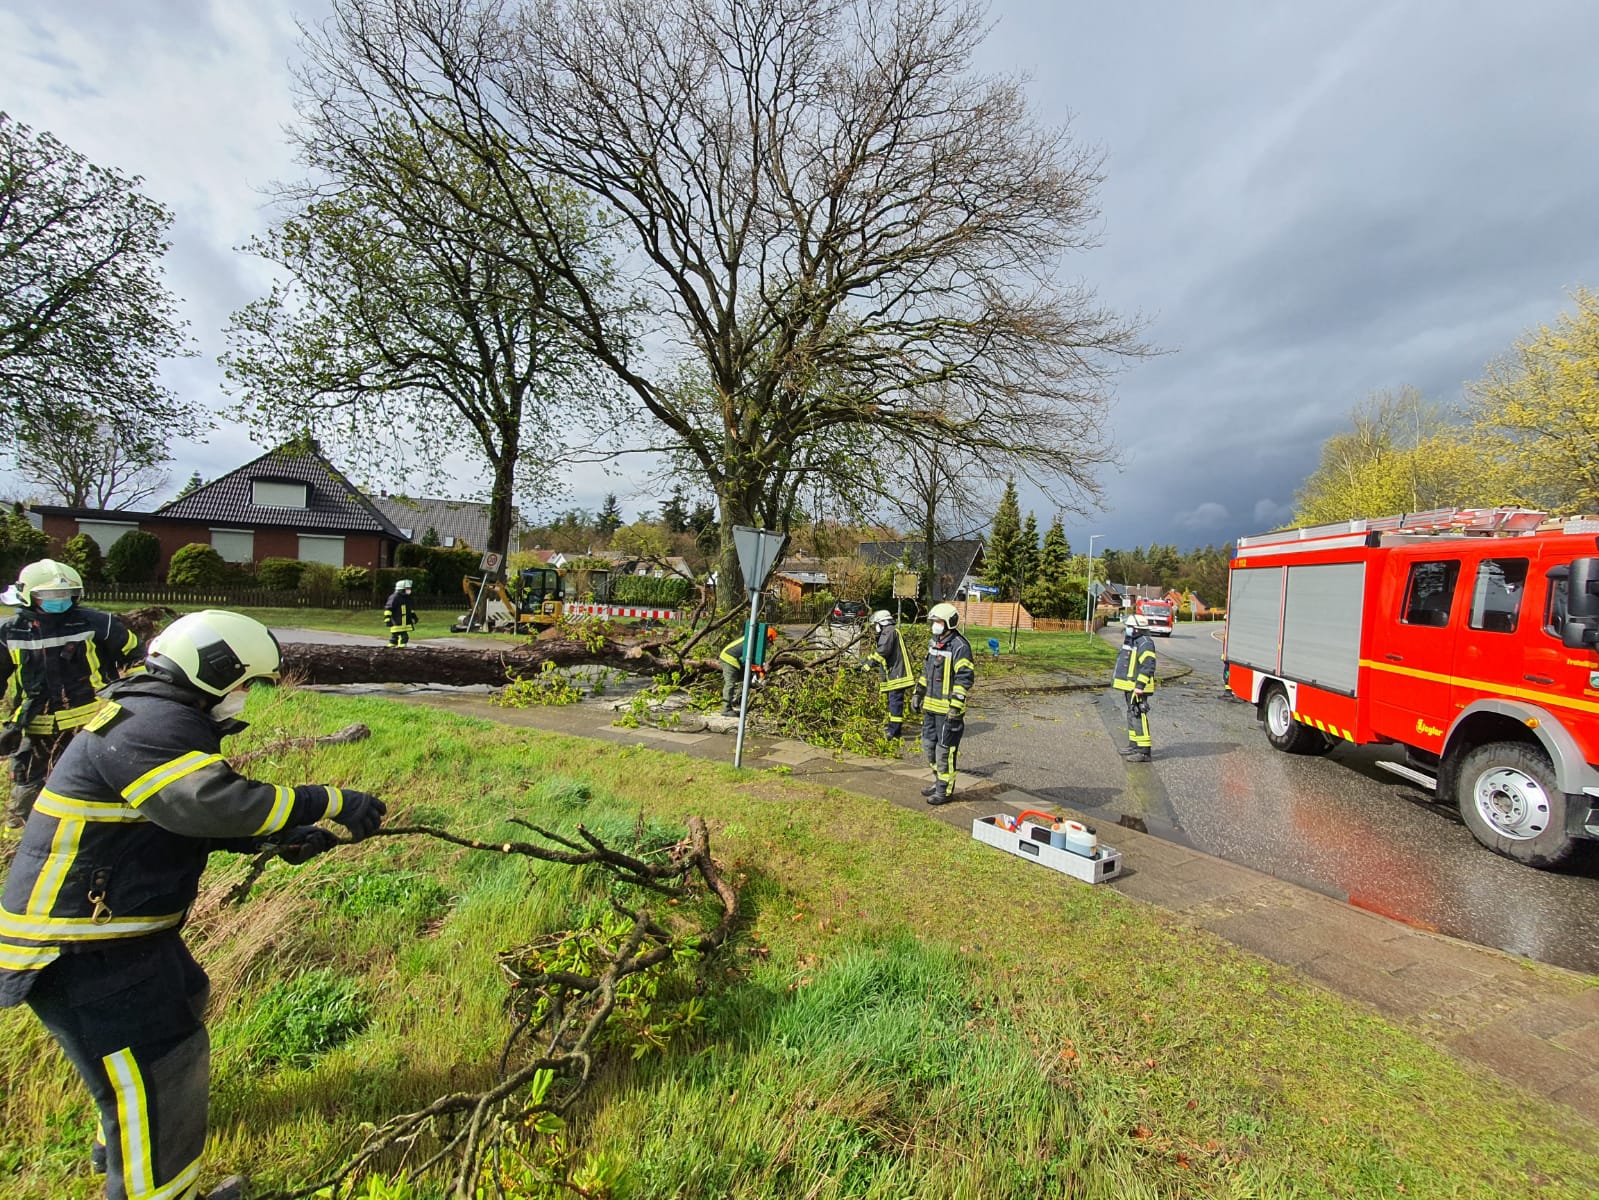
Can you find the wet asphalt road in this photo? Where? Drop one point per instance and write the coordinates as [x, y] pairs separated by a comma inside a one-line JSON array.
[[1336, 824]]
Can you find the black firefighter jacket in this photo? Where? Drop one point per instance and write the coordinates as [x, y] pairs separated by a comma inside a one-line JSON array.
[[54, 665], [119, 836]]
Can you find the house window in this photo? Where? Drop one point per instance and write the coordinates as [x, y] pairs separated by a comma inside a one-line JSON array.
[[234, 545], [278, 493], [449, 542], [328, 550], [106, 533]]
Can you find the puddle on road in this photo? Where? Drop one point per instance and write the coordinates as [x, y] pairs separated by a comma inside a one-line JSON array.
[[1165, 832]]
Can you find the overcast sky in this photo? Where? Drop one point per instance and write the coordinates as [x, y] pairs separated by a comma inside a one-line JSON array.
[[1307, 202]]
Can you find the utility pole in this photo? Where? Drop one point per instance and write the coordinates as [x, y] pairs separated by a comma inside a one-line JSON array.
[[1088, 603]]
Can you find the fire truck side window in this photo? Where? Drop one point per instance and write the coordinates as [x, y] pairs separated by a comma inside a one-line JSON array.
[[1554, 613], [1430, 592], [1496, 598]]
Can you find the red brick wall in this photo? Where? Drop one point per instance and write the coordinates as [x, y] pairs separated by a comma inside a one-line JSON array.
[[360, 549]]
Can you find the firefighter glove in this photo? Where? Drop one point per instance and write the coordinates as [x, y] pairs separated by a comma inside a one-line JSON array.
[[361, 815], [917, 694], [10, 738], [303, 843]]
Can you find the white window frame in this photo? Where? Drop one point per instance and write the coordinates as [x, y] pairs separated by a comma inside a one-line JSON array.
[[234, 545], [280, 493], [322, 542]]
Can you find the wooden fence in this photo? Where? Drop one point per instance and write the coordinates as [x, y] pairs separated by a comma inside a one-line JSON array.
[[261, 598]]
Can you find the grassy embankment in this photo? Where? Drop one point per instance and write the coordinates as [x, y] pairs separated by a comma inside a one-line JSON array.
[[904, 1013]]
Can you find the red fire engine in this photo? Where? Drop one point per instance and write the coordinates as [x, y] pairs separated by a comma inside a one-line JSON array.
[[1467, 636], [1156, 614]]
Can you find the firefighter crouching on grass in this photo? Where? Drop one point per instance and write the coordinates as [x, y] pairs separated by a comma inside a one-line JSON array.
[[1135, 675], [947, 676], [890, 658], [107, 869], [58, 654], [732, 660], [402, 617]]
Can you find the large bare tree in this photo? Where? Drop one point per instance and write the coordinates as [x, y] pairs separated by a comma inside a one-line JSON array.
[[829, 209]]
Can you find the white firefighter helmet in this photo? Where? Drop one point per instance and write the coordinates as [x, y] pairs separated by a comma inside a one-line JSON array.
[[215, 651], [47, 579], [881, 617], [403, 585], [945, 612], [1137, 621]]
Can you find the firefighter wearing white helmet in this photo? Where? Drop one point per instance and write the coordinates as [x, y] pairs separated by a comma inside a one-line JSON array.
[[890, 659], [58, 656], [400, 614], [1135, 678], [106, 872], [947, 677]]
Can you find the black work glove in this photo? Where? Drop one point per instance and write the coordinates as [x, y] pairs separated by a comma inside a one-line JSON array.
[[10, 738], [303, 843], [361, 815], [955, 724], [917, 693]]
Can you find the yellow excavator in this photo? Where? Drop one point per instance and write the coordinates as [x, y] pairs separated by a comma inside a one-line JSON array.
[[534, 603]]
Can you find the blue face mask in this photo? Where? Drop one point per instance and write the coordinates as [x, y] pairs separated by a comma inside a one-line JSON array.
[[56, 606]]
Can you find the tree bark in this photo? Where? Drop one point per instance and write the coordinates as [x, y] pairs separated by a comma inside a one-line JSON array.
[[319, 664]]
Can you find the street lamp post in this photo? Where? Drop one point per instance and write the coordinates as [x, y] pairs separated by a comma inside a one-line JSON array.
[[1088, 603]]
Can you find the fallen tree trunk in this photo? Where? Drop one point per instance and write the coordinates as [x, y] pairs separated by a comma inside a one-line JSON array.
[[315, 663]]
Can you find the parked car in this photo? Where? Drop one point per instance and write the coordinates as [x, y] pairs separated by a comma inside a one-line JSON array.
[[848, 612]]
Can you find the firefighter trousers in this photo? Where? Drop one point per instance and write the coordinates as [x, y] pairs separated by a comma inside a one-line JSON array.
[[942, 747], [128, 1017], [29, 767], [400, 636], [896, 713], [1138, 720]]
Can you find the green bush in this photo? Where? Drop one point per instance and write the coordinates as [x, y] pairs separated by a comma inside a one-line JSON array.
[[304, 1017], [83, 552], [355, 579], [387, 577], [134, 557], [436, 571], [319, 582], [20, 544], [197, 565], [647, 589], [280, 574]]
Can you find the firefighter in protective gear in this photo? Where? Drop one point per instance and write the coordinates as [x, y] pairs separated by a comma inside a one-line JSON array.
[[105, 874], [732, 660], [58, 654], [890, 659], [947, 677], [1135, 676], [402, 617]]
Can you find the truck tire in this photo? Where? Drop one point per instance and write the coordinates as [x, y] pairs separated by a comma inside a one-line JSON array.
[[1285, 733], [1510, 801]]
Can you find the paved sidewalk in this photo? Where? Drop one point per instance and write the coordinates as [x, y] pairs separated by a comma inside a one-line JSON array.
[[1535, 1025]]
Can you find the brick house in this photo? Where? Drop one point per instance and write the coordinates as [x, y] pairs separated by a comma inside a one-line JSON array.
[[289, 503]]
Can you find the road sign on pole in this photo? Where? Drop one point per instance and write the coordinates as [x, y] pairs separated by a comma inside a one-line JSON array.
[[758, 552], [490, 563]]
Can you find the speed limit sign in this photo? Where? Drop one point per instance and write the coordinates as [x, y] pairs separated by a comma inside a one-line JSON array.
[[491, 562]]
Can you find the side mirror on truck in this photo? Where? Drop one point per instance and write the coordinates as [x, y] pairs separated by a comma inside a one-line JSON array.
[[1581, 626]]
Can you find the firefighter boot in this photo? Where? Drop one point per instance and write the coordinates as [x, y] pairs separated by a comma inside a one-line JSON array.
[[1128, 750], [234, 1187], [1143, 755], [937, 795], [930, 789]]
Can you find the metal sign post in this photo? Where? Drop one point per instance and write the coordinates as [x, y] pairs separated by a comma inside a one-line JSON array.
[[758, 552]]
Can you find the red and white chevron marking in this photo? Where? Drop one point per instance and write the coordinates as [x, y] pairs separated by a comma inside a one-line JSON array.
[[620, 610]]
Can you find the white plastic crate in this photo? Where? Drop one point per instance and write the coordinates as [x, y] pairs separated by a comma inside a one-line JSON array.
[[1031, 841]]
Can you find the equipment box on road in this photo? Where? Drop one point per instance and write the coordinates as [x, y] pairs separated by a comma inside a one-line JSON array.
[[1031, 842]]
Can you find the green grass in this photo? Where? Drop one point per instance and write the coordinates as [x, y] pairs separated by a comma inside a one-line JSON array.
[[903, 1012], [1040, 653], [433, 622]]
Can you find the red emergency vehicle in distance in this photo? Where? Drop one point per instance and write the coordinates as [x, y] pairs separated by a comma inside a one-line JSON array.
[[1157, 616], [1467, 636]]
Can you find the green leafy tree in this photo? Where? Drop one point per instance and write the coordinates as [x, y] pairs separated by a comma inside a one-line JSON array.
[[829, 208], [610, 518], [135, 557], [1004, 556], [83, 552], [85, 317], [407, 300], [197, 565], [645, 540], [90, 461], [20, 544]]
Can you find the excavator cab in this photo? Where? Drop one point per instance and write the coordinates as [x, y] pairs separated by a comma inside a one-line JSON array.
[[543, 593]]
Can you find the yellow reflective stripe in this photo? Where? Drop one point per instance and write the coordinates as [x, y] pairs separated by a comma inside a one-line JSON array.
[[27, 958], [133, 1122], [54, 805], [1493, 689], [180, 1188], [96, 676], [335, 801], [133, 640], [153, 780], [67, 718], [279, 816], [80, 929], [63, 850]]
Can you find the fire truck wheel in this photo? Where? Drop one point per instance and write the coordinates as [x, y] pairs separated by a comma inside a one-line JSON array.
[[1510, 801], [1285, 733]]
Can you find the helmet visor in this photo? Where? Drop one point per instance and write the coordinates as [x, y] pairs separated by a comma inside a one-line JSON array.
[[56, 593]]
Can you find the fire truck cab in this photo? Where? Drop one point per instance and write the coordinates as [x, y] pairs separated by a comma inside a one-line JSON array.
[[1467, 636], [1157, 616]]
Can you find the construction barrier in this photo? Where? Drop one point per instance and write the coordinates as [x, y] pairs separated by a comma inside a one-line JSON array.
[[587, 612]]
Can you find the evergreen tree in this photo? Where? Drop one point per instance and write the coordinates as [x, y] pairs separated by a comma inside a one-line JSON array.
[[1027, 561], [1052, 591], [610, 518], [194, 484], [674, 513], [1165, 564], [430, 536], [1005, 544]]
